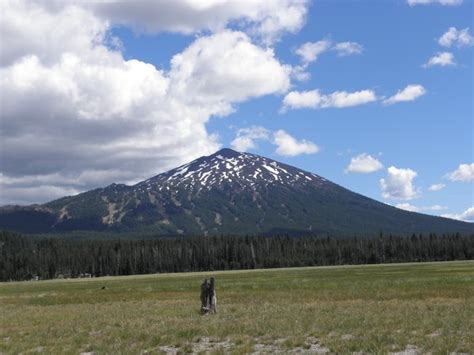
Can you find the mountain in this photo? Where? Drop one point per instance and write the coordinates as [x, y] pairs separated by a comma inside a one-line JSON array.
[[225, 193]]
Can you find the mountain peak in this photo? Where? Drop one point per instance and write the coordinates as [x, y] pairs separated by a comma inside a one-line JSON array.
[[228, 168], [226, 153]]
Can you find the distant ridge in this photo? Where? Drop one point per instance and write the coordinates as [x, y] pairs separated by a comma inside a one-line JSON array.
[[227, 192]]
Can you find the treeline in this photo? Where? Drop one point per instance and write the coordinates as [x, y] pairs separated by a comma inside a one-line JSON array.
[[24, 258]]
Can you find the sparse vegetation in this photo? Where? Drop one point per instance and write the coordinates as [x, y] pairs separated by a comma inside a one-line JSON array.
[[376, 308]]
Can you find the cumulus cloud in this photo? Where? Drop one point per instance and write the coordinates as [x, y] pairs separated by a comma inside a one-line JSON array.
[[27, 28], [409, 207], [441, 59], [459, 38], [437, 187], [315, 100], [266, 19], [224, 68], [246, 138], [399, 184], [467, 215], [364, 163], [72, 104], [341, 99], [410, 93], [310, 51], [441, 2], [301, 99], [464, 173], [289, 146], [22, 195]]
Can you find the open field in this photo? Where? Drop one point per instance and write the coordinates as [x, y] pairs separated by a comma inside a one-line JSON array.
[[379, 308]]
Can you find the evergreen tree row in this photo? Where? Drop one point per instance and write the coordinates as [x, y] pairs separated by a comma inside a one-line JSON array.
[[23, 258]]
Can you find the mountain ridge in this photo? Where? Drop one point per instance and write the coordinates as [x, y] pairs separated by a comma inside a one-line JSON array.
[[227, 192]]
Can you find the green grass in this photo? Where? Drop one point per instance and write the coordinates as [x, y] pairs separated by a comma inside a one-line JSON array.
[[379, 308]]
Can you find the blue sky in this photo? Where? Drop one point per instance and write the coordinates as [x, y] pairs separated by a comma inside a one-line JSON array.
[[431, 135], [372, 51]]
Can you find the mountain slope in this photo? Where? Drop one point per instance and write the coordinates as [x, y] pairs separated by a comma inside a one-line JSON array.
[[226, 193]]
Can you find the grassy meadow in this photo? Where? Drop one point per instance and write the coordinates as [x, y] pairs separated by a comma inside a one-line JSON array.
[[426, 307]]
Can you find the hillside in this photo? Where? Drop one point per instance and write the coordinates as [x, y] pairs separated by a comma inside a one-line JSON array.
[[225, 193]]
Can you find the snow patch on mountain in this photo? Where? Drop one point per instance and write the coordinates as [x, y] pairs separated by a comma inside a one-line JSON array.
[[228, 167]]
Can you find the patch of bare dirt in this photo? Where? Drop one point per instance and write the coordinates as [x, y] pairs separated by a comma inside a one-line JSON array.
[[409, 350], [311, 346], [263, 346]]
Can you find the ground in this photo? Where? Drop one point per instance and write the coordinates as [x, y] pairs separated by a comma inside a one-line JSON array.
[[407, 308]]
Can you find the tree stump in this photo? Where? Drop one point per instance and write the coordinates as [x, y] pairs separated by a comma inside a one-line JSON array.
[[208, 296]]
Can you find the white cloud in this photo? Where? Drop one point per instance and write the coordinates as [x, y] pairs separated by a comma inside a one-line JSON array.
[[289, 146], [347, 99], [453, 36], [299, 73], [23, 195], [409, 207], [286, 144], [267, 20], [441, 2], [467, 215], [437, 187], [246, 138], [348, 48], [436, 208], [310, 51], [399, 184], [27, 28], [339, 99], [302, 99], [442, 59], [364, 163], [464, 173], [44, 187], [71, 104], [315, 100], [224, 68], [410, 93]]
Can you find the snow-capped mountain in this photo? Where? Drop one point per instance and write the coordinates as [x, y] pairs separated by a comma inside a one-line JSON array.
[[228, 167], [225, 193]]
